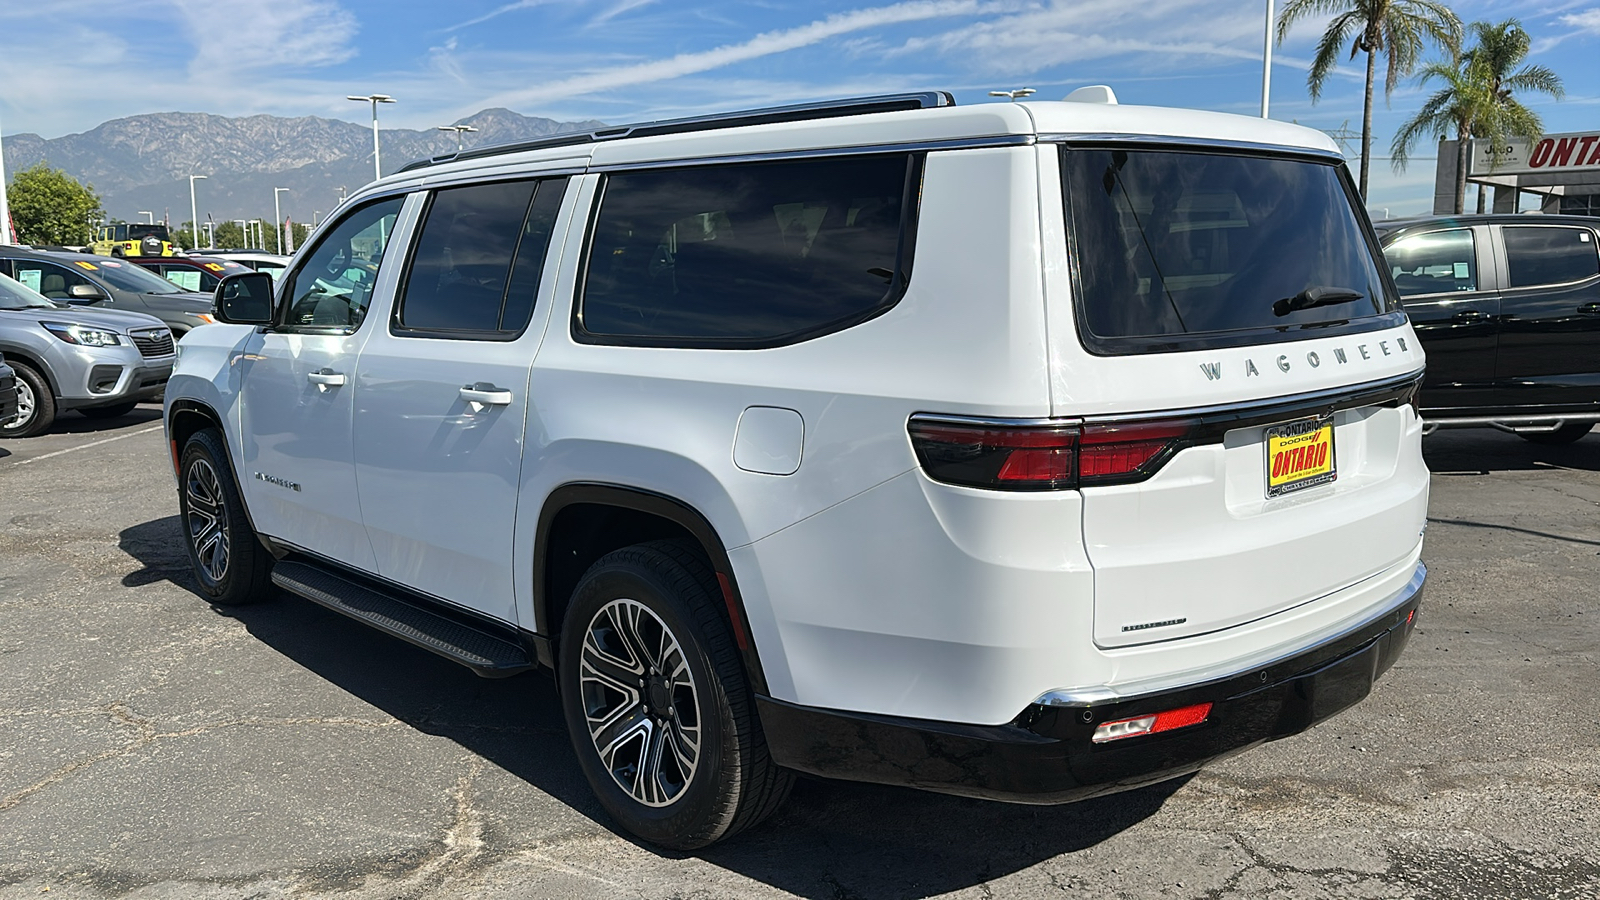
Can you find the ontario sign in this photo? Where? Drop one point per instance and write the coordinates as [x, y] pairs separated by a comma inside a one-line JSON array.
[[1572, 152]]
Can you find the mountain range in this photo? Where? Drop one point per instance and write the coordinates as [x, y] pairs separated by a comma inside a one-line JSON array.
[[143, 162]]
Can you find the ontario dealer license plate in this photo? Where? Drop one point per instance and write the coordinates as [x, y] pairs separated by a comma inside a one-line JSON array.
[[1300, 455]]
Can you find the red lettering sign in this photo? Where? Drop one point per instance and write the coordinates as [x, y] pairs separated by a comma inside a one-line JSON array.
[[1541, 153], [1562, 155]]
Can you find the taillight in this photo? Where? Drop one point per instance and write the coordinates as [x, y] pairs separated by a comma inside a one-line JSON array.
[[1043, 457], [1017, 458]]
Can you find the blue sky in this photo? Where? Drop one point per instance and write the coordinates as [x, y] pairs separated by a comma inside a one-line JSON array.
[[627, 60]]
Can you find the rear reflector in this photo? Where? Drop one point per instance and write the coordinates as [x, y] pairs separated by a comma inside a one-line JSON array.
[[1041, 457], [1171, 720]]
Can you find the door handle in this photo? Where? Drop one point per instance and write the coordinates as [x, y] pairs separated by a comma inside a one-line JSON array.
[[1468, 315], [1590, 309], [325, 378], [485, 394]]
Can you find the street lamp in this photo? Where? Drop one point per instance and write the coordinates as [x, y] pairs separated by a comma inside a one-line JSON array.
[[194, 212], [341, 195], [374, 99], [459, 130], [1015, 94], [278, 216], [242, 234], [1266, 62], [146, 212]]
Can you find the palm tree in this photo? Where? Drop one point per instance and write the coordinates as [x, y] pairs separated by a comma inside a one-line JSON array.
[[1395, 28], [1476, 99]]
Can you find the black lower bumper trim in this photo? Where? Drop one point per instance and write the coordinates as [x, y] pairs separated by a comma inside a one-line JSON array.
[[1047, 756]]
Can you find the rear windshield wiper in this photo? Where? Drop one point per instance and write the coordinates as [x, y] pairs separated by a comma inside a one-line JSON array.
[[1313, 297]]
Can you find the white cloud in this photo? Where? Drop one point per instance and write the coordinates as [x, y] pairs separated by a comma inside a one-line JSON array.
[[497, 12], [617, 10], [234, 36], [765, 44], [1587, 21]]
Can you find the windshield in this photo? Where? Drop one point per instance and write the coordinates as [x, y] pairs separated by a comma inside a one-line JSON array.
[[128, 277], [16, 295], [1176, 244]]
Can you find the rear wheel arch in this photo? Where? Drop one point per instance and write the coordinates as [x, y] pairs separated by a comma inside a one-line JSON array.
[[582, 522]]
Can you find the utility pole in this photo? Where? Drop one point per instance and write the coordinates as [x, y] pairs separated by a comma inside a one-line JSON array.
[[277, 216], [374, 99], [1266, 63], [194, 212]]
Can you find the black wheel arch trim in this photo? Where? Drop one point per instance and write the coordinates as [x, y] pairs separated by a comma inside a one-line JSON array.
[[28, 359], [652, 503], [196, 407]]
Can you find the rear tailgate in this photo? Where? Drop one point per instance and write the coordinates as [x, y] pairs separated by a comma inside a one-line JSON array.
[[1232, 298]]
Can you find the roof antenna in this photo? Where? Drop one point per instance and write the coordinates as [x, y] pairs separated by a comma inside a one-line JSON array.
[[1094, 93]]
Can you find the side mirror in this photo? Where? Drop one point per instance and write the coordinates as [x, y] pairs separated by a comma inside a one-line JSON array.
[[85, 293], [244, 299]]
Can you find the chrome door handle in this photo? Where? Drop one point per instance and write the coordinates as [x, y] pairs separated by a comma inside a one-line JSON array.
[[1468, 315], [485, 394], [1590, 309], [325, 378]]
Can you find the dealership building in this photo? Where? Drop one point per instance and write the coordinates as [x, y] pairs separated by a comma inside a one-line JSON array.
[[1561, 170]]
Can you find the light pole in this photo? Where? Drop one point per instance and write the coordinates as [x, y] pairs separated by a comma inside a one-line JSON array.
[[374, 99], [1015, 94], [211, 235], [194, 212], [341, 195], [1266, 63], [459, 130], [242, 235], [277, 216], [146, 212]]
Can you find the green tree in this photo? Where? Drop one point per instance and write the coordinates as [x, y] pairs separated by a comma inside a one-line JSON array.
[[50, 207], [1476, 98], [1396, 29]]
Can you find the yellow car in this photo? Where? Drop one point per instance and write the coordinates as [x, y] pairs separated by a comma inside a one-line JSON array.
[[133, 240]]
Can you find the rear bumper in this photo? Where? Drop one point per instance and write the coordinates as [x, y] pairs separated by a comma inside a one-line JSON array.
[[1046, 754]]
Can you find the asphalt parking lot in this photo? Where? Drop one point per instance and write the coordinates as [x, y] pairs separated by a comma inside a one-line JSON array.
[[153, 746]]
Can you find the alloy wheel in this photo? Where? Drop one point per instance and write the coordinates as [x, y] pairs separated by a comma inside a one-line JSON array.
[[25, 406], [640, 702], [208, 532]]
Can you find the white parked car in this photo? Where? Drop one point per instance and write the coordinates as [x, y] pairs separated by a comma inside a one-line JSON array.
[[1025, 451]]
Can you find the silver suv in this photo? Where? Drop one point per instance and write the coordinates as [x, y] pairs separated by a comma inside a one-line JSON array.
[[99, 362]]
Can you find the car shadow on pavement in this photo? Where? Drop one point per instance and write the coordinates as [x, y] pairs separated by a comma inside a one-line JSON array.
[[80, 424], [831, 839], [1479, 451]]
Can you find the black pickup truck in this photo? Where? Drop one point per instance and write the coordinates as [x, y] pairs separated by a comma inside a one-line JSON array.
[[1508, 310]]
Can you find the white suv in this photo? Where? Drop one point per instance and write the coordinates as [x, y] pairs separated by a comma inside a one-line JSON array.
[[1023, 451]]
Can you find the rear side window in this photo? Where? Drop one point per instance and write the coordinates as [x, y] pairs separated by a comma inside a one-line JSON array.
[[748, 255], [1185, 249], [1434, 263], [476, 266], [1547, 254]]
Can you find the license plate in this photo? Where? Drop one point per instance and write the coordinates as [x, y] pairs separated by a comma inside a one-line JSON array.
[[1300, 455]]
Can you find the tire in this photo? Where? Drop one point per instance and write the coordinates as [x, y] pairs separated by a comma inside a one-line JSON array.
[[229, 563], [684, 762], [109, 412], [1567, 433], [36, 405]]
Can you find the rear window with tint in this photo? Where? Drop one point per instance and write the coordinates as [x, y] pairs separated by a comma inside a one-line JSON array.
[[1179, 250], [747, 255], [1544, 254]]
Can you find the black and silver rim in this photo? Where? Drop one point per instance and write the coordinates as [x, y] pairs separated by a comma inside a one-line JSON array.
[[208, 533], [640, 702], [25, 406]]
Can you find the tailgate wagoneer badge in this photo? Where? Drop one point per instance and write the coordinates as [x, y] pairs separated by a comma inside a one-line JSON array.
[[1213, 370]]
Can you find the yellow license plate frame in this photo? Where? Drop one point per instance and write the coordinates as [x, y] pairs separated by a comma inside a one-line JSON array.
[[1300, 455]]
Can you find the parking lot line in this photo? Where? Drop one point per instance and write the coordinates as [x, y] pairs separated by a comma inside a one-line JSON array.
[[91, 444]]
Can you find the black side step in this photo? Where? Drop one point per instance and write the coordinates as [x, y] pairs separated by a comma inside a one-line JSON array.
[[407, 619]]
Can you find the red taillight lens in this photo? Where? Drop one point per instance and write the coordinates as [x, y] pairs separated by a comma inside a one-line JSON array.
[[1030, 457], [1111, 452], [1021, 458]]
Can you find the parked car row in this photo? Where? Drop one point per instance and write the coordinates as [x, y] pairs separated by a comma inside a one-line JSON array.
[[100, 362]]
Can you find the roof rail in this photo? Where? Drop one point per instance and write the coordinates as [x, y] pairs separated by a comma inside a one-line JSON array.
[[830, 109]]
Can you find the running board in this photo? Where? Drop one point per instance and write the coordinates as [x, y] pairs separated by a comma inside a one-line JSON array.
[[407, 619]]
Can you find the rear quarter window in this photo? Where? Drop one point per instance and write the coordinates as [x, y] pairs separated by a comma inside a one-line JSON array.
[[1190, 249], [1545, 254], [748, 255]]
